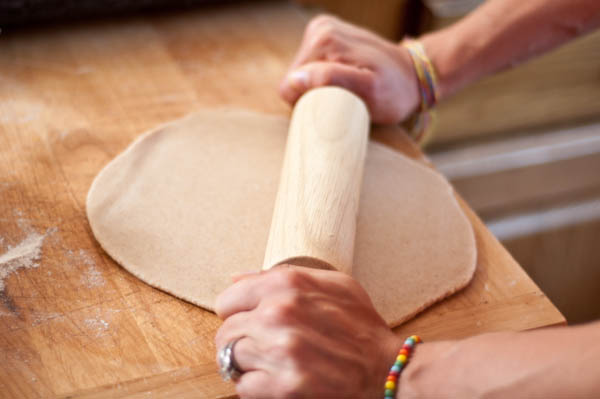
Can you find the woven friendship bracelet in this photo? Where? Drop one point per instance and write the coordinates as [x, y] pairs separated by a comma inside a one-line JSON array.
[[424, 121], [402, 359]]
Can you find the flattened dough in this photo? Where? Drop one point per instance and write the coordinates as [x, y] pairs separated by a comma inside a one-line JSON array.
[[190, 203]]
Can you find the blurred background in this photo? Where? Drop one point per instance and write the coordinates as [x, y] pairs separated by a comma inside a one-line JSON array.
[[522, 147]]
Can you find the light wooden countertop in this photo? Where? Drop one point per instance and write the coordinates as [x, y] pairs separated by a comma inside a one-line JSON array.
[[71, 98]]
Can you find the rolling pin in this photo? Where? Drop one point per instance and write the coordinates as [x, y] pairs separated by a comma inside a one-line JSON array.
[[316, 208]]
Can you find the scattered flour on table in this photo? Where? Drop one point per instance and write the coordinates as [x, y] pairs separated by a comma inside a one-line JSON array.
[[27, 253], [91, 276], [23, 223], [98, 325], [24, 255]]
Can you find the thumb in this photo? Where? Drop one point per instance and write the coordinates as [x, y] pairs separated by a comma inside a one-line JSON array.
[[322, 73]]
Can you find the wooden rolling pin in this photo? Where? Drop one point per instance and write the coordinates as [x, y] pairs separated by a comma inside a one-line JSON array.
[[314, 220]]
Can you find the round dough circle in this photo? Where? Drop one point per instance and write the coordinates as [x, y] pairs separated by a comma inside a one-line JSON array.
[[189, 204]]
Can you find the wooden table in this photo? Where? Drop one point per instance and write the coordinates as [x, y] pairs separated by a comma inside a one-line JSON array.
[[71, 98]]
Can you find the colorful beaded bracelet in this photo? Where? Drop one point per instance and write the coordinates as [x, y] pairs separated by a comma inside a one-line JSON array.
[[423, 122], [401, 360]]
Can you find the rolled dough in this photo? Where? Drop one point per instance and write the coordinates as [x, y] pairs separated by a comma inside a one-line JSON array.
[[189, 204]]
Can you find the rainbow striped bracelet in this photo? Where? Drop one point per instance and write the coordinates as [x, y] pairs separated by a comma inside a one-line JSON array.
[[404, 354], [423, 122]]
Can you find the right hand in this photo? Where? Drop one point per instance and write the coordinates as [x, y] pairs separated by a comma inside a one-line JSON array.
[[336, 53], [305, 333]]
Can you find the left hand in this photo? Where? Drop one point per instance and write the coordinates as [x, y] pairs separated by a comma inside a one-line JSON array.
[[305, 333], [336, 53]]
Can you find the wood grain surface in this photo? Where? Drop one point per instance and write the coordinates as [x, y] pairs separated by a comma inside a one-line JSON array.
[[72, 98], [316, 210]]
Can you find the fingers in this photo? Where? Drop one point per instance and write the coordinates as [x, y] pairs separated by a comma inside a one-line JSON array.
[[322, 73], [233, 328], [321, 37], [337, 53], [325, 58], [262, 338], [296, 328], [327, 38], [247, 355], [242, 296], [256, 384], [241, 327], [240, 276], [246, 294]]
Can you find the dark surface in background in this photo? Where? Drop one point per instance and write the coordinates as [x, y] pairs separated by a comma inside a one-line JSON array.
[[23, 12]]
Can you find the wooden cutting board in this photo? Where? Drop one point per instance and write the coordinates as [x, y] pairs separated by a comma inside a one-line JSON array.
[[71, 99]]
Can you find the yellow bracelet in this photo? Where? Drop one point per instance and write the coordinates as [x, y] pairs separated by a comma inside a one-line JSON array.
[[423, 122]]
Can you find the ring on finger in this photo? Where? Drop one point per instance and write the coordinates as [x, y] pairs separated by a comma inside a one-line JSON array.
[[228, 367]]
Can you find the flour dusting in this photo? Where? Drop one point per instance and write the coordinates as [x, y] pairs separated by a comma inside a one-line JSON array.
[[99, 326], [91, 276], [23, 223], [24, 255]]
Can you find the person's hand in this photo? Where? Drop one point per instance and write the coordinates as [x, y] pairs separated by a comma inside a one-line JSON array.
[[305, 333], [336, 53]]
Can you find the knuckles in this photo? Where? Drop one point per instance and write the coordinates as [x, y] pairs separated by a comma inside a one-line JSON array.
[[325, 37], [320, 21], [287, 278], [351, 285], [324, 31], [274, 315], [284, 311], [289, 347]]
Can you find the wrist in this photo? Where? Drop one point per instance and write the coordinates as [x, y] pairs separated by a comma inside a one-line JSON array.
[[391, 345], [422, 376], [440, 55], [422, 124], [401, 361], [409, 92], [451, 57]]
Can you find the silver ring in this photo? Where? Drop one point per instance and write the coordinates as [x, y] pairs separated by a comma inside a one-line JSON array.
[[228, 367]]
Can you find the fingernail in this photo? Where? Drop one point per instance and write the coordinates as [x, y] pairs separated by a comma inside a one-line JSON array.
[[298, 79]]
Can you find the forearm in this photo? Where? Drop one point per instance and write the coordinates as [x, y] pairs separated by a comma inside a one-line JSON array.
[[502, 33], [557, 362]]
